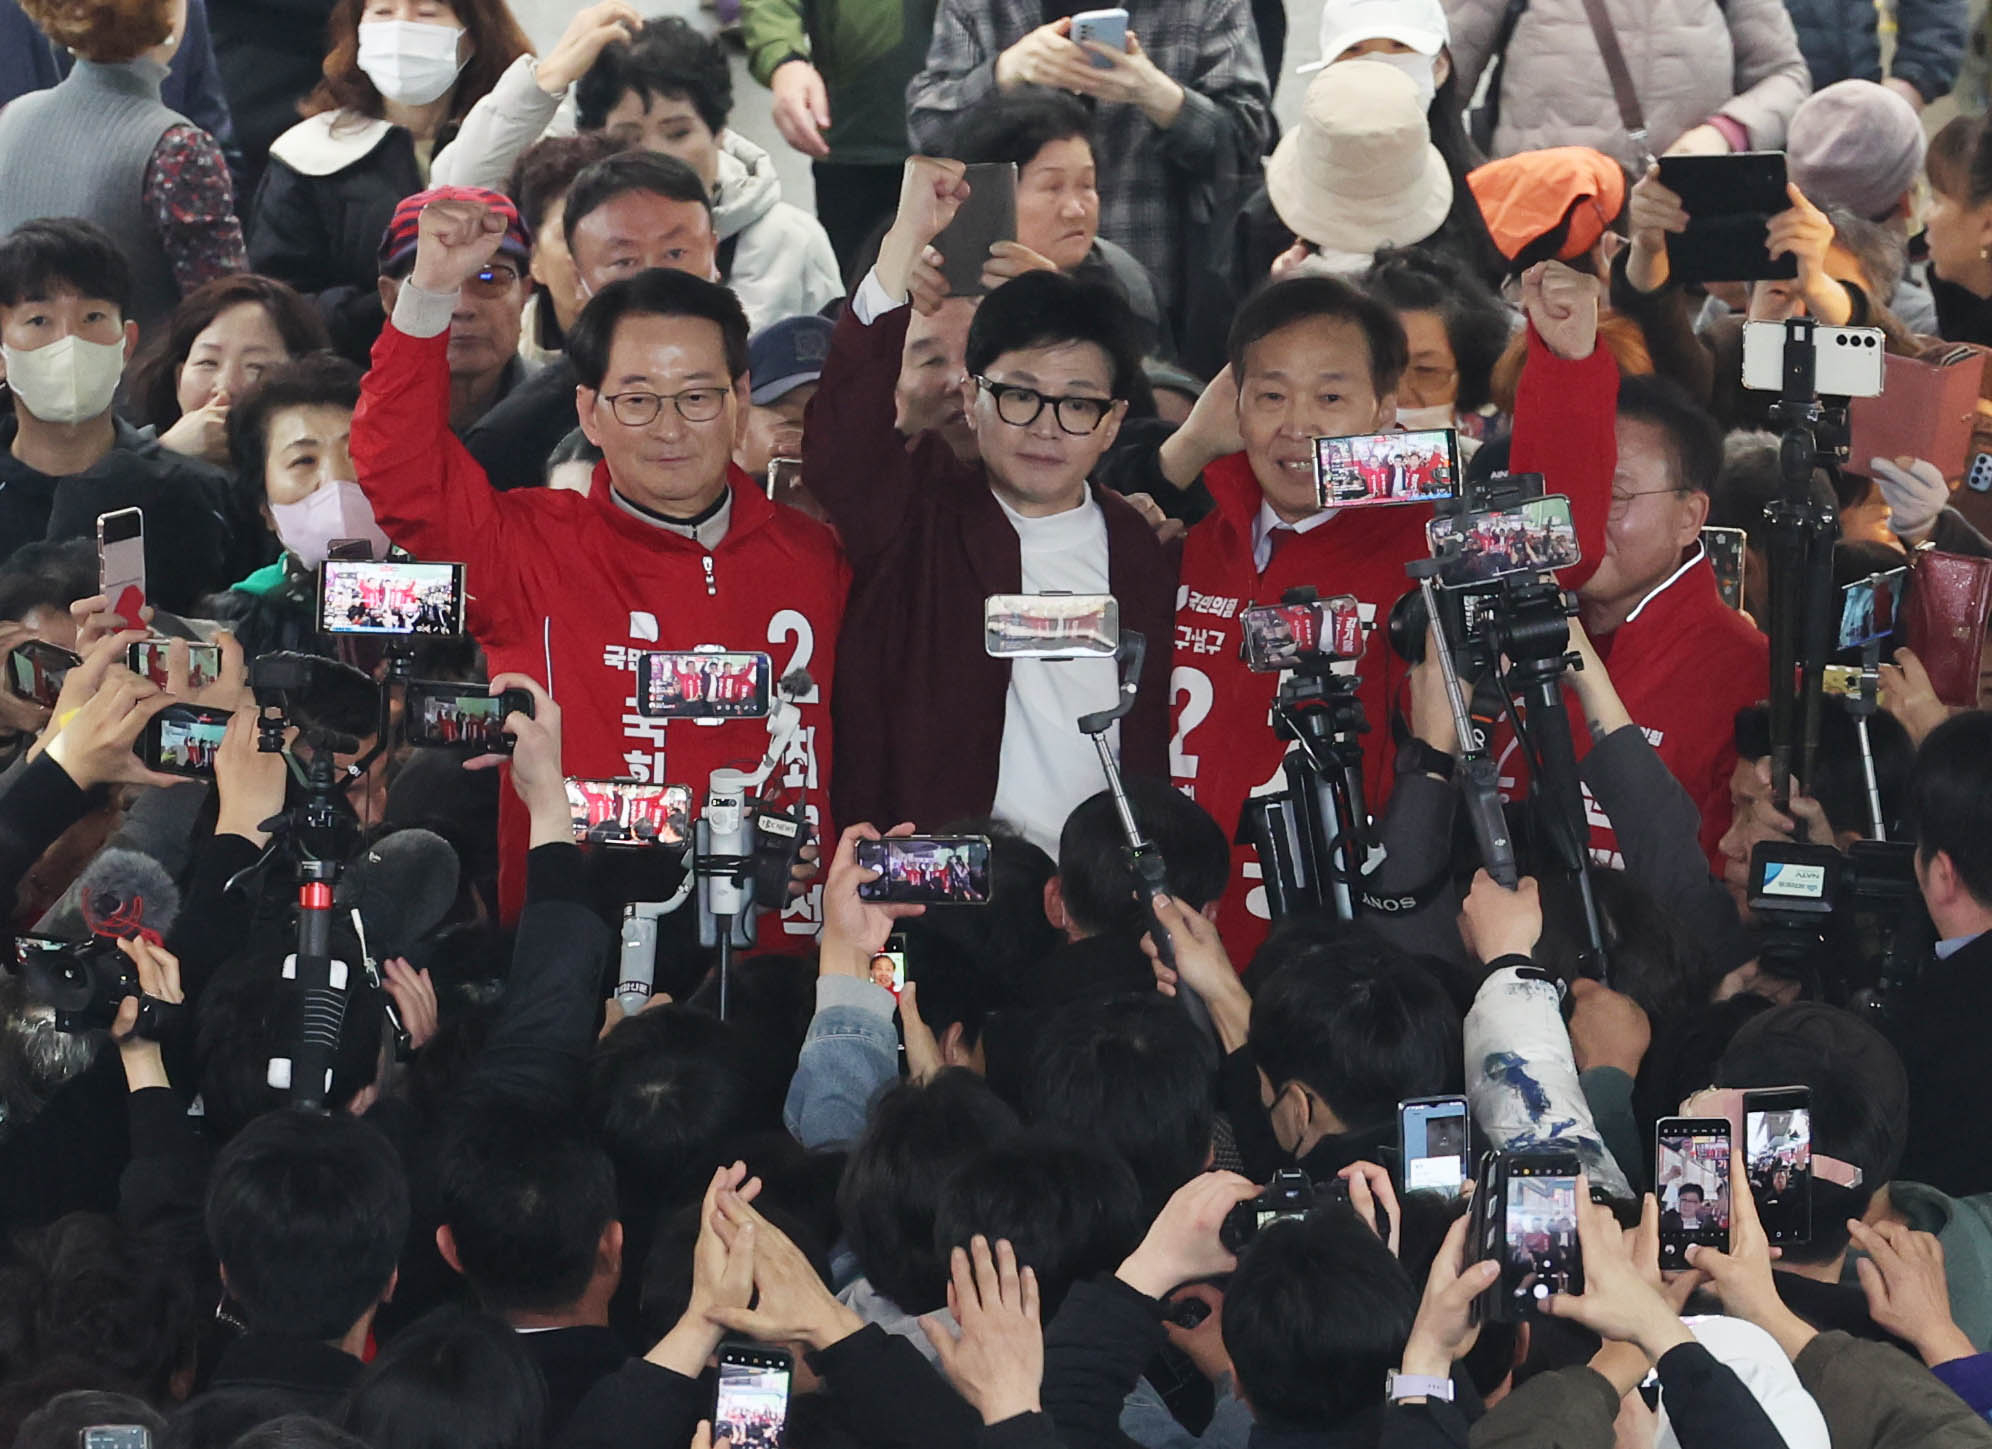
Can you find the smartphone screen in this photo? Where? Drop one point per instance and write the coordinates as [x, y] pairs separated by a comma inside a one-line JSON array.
[[1373, 469], [1541, 1231], [1728, 554], [147, 659], [365, 597], [1432, 1137], [36, 669], [927, 869], [1049, 626], [1537, 537], [629, 812], [702, 684], [1691, 1159], [888, 967], [1278, 636], [750, 1407], [456, 716], [183, 739], [1868, 608], [121, 562], [1777, 1137]]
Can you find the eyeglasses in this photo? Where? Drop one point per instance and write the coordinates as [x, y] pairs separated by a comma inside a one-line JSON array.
[[1020, 407], [640, 409], [1623, 501], [495, 280]]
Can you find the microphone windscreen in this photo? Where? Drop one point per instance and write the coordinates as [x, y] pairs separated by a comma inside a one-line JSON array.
[[796, 683], [403, 885], [124, 893]]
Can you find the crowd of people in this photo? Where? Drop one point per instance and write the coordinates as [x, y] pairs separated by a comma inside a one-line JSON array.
[[430, 360]]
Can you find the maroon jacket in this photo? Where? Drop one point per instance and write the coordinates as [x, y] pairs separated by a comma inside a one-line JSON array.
[[918, 705]]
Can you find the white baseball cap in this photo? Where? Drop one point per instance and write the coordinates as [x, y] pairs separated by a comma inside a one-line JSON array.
[[1420, 24]]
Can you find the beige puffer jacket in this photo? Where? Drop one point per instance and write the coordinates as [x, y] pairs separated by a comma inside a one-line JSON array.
[[1690, 59]]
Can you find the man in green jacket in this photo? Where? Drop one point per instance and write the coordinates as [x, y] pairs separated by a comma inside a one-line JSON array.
[[839, 70]]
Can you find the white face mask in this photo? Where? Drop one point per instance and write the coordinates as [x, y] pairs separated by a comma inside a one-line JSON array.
[[332, 512], [1416, 420], [68, 381], [409, 62], [1418, 67]]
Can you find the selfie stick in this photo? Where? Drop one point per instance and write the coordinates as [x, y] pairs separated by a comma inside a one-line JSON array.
[[1479, 772], [1151, 871]]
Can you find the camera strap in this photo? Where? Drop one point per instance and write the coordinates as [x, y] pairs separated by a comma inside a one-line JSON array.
[[1632, 115]]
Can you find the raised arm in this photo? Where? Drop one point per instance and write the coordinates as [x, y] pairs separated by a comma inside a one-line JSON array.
[[1566, 402]]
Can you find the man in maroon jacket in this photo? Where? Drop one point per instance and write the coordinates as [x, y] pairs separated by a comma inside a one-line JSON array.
[[934, 728]]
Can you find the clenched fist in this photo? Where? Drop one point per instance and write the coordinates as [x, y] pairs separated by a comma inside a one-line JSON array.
[[456, 240]]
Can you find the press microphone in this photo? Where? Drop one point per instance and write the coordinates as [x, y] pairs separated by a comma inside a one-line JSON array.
[[403, 885], [122, 893]]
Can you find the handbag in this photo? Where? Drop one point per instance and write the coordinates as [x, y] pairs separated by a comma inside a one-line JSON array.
[[1943, 621]]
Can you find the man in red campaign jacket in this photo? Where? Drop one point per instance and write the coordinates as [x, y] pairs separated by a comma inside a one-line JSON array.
[[1314, 357], [672, 548], [1683, 661]]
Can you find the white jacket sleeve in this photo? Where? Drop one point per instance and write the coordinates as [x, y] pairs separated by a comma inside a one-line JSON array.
[[498, 130]]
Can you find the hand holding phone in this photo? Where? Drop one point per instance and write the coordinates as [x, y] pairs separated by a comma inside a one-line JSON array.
[[949, 870], [184, 739], [1691, 1179], [1616, 1297], [987, 217], [750, 1405]]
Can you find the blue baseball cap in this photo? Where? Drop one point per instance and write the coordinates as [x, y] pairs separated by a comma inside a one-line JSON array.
[[784, 355]]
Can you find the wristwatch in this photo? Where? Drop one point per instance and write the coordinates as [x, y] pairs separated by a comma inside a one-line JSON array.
[[1397, 1387]]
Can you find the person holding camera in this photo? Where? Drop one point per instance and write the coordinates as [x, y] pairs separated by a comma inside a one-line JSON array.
[[1314, 357], [674, 546]]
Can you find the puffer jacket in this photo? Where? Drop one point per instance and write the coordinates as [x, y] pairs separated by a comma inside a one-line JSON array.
[[1690, 60], [1841, 40], [776, 256]]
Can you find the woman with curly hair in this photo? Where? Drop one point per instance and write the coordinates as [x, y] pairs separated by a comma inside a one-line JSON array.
[[400, 75], [105, 148]]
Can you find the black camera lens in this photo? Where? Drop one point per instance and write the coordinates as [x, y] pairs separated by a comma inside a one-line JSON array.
[[1409, 623]]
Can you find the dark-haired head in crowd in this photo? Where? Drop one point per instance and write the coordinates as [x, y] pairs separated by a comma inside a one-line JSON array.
[[539, 185], [670, 91], [453, 1380], [65, 456]]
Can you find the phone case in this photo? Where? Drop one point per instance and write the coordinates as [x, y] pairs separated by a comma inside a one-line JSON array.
[[1926, 411], [1943, 621], [1729, 200], [988, 216]]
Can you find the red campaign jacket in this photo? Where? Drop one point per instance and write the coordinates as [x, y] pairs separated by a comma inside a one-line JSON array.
[[570, 590], [1223, 749], [1683, 665]]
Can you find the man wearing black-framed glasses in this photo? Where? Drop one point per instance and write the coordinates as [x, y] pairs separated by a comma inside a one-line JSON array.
[[1050, 366], [485, 365]]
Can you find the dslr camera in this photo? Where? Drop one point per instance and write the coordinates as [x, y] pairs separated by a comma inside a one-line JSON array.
[[86, 982], [1289, 1196]]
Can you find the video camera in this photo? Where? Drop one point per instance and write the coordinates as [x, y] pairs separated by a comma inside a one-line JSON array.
[[86, 982], [1798, 890], [1290, 1196], [332, 704]]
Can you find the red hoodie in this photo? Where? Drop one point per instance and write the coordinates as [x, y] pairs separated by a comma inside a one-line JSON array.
[[1223, 749], [570, 590]]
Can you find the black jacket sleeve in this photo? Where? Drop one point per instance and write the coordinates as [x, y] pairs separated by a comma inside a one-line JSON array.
[[1020, 1431], [539, 1048], [213, 925], [888, 1396], [163, 1190], [1094, 1352], [40, 803], [1417, 833], [640, 1403], [1134, 465], [1708, 1405], [1669, 332]]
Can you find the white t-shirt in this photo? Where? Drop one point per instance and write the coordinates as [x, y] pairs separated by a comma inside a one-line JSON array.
[[1047, 765]]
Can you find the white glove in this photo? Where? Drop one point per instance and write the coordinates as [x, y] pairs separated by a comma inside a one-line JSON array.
[[1916, 494]]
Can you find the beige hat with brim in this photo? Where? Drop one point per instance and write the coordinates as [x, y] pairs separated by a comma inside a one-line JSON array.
[[1360, 172]]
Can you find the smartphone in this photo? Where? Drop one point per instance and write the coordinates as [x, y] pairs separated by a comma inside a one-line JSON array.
[[1273, 637], [1868, 608], [702, 684], [147, 659], [750, 1405], [1373, 469], [1846, 361], [1050, 626], [942, 870], [629, 812], [1730, 201], [1691, 1157], [888, 967], [115, 1436], [784, 478], [1537, 537], [183, 739], [445, 715], [1101, 27], [1728, 551], [121, 562], [1842, 680], [1777, 1153], [357, 596], [987, 217], [36, 669], [1539, 1251], [1432, 1134]]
